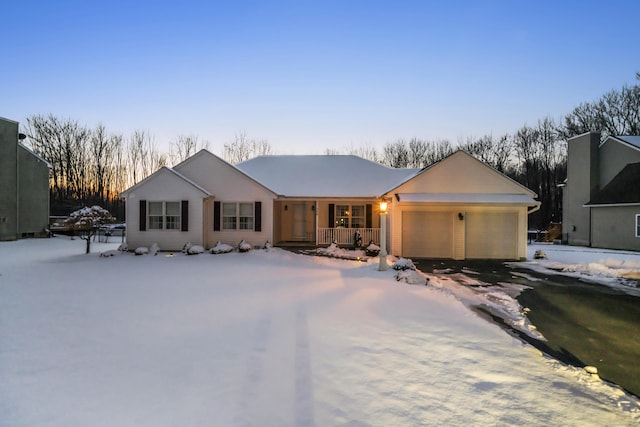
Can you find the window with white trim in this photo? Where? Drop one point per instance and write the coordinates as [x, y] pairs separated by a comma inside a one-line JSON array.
[[637, 225], [229, 216], [164, 216], [246, 216], [357, 216], [238, 216], [350, 216]]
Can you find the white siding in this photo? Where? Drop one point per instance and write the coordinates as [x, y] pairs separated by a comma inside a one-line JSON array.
[[164, 186], [227, 184]]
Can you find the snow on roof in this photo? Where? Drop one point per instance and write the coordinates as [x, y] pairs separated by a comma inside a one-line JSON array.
[[323, 175], [467, 198], [633, 140]]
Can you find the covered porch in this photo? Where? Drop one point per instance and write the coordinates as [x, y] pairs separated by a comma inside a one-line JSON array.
[[319, 222]]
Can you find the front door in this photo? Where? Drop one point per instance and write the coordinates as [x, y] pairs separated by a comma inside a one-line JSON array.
[[299, 221]]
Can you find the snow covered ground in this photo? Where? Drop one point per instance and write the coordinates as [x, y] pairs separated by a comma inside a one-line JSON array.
[[265, 338], [618, 269]]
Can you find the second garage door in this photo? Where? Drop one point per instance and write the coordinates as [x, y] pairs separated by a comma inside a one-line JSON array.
[[491, 235], [427, 234]]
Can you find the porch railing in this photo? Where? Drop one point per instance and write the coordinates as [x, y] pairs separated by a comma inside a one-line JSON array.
[[344, 236]]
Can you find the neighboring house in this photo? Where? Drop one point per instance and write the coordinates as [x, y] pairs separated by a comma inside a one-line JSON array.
[[24, 187], [601, 196], [457, 208]]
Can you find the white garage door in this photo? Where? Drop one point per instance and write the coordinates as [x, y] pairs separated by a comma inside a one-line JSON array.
[[427, 234], [491, 235]]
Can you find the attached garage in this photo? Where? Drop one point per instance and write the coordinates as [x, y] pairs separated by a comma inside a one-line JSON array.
[[427, 234], [459, 208]]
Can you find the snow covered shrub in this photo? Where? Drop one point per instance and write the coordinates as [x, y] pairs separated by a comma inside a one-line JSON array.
[[539, 254], [403, 264], [195, 250], [142, 250], [154, 249], [244, 246], [411, 277], [186, 247], [123, 247], [221, 248], [267, 246], [110, 253], [372, 249]]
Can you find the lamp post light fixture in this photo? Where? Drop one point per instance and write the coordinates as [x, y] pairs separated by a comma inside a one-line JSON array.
[[382, 266]]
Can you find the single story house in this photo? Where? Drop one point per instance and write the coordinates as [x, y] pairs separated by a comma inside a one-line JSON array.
[[458, 208], [601, 195]]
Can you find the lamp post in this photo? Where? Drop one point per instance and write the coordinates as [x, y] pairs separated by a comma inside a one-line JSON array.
[[383, 237]]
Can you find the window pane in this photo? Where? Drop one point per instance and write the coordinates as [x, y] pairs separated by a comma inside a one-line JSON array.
[[342, 210], [229, 209], [155, 208], [173, 222], [246, 209], [357, 211], [173, 208], [155, 222], [229, 223], [357, 222]]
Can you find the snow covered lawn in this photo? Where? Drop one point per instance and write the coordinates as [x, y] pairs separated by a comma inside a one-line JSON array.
[[617, 269], [266, 339]]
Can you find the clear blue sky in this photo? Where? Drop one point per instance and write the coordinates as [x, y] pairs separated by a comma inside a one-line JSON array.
[[311, 75]]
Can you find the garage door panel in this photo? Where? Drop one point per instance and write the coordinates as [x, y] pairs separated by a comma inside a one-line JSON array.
[[427, 234], [491, 235]]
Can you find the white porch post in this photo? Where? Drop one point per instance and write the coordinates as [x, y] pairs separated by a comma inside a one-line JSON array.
[[382, 266]]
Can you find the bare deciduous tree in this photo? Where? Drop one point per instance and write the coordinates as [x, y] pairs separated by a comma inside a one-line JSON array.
[[185, 146], [244, 148]]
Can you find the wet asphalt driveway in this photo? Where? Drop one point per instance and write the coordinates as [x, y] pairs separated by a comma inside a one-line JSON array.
[[584, 323]]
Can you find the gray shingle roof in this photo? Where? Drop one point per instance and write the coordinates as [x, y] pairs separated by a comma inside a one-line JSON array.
[[622, 189], [323, 175]]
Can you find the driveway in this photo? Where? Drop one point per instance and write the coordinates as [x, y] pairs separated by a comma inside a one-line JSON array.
[[584, 323]]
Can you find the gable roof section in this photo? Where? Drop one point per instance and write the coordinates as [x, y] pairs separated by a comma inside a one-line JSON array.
[[206, 153], [623, 189], [323, 175], [165, 169], [459, 156]]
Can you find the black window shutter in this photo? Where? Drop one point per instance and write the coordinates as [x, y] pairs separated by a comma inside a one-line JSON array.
[[258, 216], [369, 219], [332, 215], [216, 216], [185, 215], [143, 215]]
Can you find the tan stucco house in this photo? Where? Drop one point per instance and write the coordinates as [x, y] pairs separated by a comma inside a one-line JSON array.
[[457, 208], [601, 196]]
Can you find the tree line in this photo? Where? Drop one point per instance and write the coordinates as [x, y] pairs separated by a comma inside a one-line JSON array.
[[533, 155], [93, 166]]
